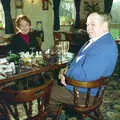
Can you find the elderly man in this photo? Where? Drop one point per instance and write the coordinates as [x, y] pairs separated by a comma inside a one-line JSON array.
[[94, 60]]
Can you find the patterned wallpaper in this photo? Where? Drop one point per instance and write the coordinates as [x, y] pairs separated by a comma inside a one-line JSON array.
[[88, 6]]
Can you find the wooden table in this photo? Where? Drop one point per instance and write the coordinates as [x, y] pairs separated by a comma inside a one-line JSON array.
[[12, 79], [33, 71], [26, 74]]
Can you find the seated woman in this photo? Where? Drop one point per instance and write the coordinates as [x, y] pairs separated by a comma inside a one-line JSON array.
[[24, 40]]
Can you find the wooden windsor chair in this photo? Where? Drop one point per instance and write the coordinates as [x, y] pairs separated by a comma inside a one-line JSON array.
[[91, 110], [27, 99]]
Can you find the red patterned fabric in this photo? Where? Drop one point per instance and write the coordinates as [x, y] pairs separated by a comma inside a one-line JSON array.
[[25, 37]]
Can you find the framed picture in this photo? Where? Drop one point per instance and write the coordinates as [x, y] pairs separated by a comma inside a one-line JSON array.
[[45, 5]]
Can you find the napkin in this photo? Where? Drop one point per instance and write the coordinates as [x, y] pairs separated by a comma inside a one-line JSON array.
[[2, 71], [6, 70]]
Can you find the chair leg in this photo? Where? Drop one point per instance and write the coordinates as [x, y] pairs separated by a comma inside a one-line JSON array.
[[83, 116], [99, 114], [94, 117], [3, 111], [59, 112]]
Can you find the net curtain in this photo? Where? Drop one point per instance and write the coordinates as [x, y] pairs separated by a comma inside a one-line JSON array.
[[9, 29], [56, 5]]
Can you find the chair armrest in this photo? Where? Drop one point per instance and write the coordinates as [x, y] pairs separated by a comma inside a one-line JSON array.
[[92, 84]]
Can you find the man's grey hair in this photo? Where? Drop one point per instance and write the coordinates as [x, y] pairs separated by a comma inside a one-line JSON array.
[[102, 16]]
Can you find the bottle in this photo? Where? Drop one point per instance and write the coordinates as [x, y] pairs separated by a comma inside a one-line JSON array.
[[12, 65]]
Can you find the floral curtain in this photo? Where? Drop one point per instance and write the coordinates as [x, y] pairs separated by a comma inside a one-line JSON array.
[[107, 6], [77, 6], [9, 29], [56, 4]]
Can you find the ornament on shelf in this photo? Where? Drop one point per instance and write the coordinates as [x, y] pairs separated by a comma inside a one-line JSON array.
[[19, 4], [45, 4]]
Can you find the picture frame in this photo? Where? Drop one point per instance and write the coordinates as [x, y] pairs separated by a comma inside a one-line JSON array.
[[45, 5]]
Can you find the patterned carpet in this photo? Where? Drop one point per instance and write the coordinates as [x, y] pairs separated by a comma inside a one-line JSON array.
[[111, 104]]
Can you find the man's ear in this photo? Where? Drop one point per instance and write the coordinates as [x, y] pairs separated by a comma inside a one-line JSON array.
[[106, 24], [30, 28]]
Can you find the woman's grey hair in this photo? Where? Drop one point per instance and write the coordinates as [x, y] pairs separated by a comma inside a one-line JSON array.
[[20, 18]]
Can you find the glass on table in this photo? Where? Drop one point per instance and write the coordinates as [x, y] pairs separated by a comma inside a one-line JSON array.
[[9, 70], [32, 50], [66, 46], [59, 49], [59, 53], [62, 49], [9, 52]]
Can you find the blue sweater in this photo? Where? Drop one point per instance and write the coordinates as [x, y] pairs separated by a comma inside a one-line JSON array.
[[98, 60]]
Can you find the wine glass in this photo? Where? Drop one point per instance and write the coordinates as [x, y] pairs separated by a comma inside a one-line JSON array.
[[59, 52], [66, 47], [32, 50], [10, 52]]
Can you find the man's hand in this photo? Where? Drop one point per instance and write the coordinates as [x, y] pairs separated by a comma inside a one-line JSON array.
[[63, 72], [61, 75], [63, 80]]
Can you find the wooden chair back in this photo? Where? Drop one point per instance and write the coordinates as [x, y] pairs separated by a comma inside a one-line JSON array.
[[61, 44], [86, 109], [39, 95], [59, 36], [3, 110]]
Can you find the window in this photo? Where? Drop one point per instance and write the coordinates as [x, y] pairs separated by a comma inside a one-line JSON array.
[[115, 23], [67, 12], [115, 11], [2, 18]]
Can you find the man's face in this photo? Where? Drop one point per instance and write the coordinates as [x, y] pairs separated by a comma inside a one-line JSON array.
[[24, 27], [94, 27]]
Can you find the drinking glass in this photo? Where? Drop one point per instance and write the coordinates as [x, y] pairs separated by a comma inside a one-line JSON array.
[[59, 52], [66, 47], [32, 50]]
